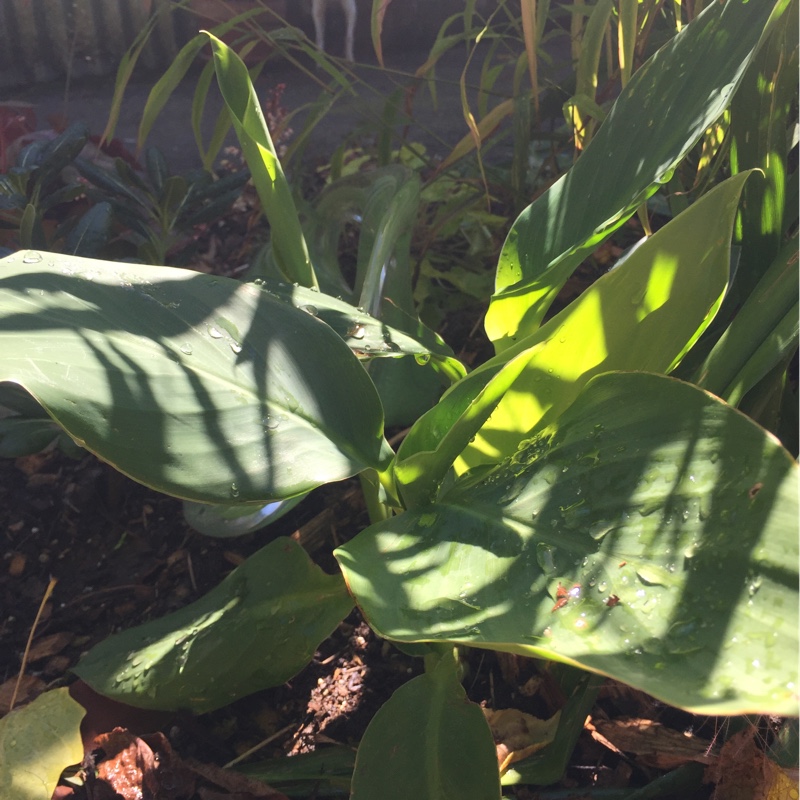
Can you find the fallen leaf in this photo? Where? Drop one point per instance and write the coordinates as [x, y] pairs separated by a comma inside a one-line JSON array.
[[142, 768], [518, 735], [29, 687], [49, 646], [104, 714], [744, 772], [37, 743], [653, 744]]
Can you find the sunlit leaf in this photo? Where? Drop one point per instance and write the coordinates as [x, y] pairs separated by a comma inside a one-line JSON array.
[[651, 534], [664, 109]]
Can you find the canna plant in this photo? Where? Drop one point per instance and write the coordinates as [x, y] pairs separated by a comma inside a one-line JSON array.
[[570, 499]]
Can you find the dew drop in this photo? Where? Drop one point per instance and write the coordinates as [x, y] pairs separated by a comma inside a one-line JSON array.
[[31, 257], [214, 333], [754, 585], [234, 490], [236, 347], [312, 310], [186, 349], [357, 331], [271, 423]]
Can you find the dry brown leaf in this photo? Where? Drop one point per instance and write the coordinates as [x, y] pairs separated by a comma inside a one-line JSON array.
[[48, 646], [129, 765], [743, 772], [30, 465], [29, 689], [518, 735], [142, 768], [653, 744]]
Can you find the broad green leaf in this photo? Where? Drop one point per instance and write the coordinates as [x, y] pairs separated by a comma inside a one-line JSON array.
[[366, 336], [199, 386], [648, 491], [92, 233], [644, 315], [257, 629], [23, 437], [60, 153], [762, 334], [259, 153], [37, 743], [658, 117], [428, 742], [390, 216]]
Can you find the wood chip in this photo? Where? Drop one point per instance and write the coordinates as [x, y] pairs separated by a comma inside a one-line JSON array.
[[16, 566]]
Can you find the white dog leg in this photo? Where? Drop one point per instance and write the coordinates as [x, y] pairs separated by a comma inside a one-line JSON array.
[[318, 13], [349, 8]]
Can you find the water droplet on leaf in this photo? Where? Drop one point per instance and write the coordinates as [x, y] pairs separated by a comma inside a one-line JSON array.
[[357, 331]]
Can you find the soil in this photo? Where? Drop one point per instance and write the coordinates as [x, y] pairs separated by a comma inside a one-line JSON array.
[[122, 554]]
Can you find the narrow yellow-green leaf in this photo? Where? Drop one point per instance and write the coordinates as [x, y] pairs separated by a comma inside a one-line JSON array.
[[659, 116], [645, 315], [273, 189]]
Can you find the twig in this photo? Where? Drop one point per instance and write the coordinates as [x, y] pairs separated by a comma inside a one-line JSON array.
[[257, 747], [47, 592]]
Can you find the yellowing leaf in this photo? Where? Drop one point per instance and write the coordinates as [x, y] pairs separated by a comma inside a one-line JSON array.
[[37, 743]]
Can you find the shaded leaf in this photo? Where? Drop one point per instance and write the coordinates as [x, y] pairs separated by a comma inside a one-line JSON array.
[[257, 629], [198, 386], [427, 742], [240, 97]]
